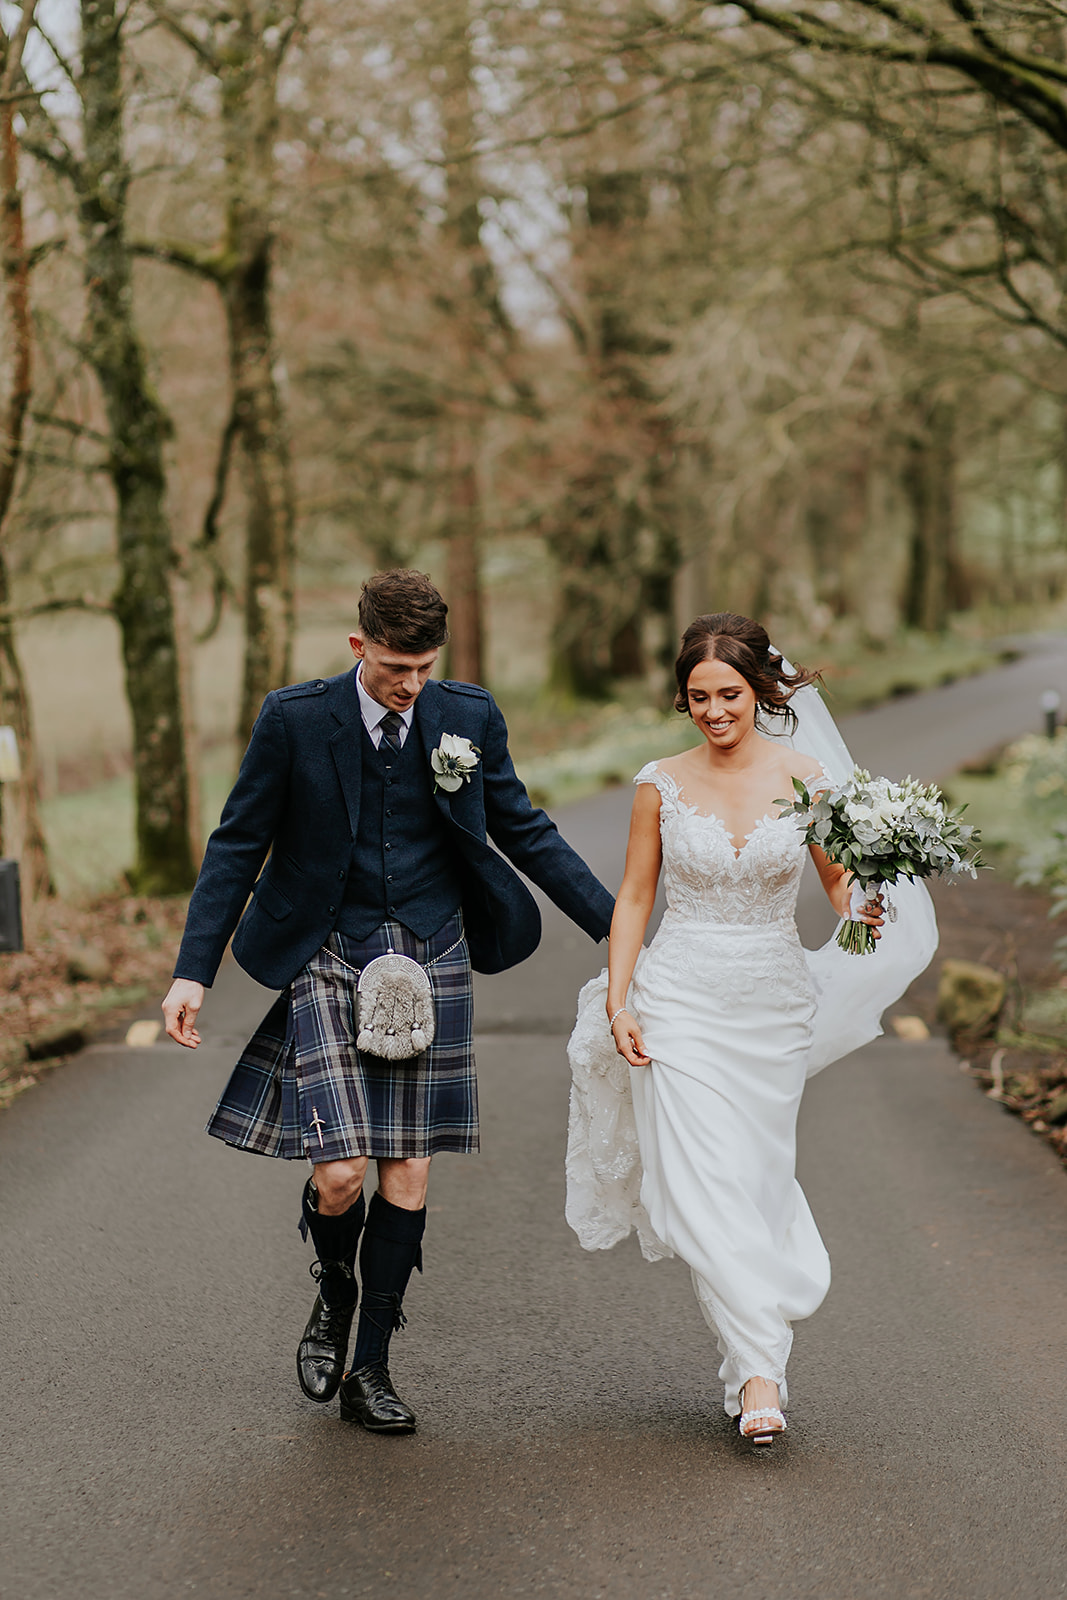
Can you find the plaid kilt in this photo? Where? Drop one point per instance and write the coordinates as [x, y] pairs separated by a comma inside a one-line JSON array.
[[302, 1091]]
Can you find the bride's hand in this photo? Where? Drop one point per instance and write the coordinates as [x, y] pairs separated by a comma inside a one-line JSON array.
[[864, 908], [628, 1040]]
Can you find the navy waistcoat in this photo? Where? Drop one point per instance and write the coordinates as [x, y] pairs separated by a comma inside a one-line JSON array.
[[402, 864]]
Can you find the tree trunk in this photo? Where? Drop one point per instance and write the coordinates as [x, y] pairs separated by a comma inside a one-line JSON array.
[[269, 602], [477, 313], [463, 582], [615, 533], [250, 118], [21, 831], [930, 483], [138, 427]]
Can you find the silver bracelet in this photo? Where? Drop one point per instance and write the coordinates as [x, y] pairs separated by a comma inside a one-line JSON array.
[[611, 1019]]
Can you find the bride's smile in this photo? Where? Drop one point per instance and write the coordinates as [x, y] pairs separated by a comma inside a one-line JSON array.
[[721, 704]]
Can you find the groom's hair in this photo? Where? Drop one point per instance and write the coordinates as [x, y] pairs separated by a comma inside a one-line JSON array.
[[403, 611]]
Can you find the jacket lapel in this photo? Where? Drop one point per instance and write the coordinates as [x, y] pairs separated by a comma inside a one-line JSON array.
[[346, 744], [429, 711], [436, 713]]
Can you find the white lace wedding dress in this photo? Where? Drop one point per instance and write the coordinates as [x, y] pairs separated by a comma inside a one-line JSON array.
[[697, 1151]]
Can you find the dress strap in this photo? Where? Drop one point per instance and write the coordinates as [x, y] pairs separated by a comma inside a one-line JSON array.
[[667, 786]]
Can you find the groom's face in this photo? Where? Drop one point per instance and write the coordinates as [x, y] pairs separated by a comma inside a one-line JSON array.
[[391, 677]]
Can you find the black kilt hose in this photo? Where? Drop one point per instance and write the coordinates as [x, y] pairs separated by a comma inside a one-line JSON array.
[[302, 1091]]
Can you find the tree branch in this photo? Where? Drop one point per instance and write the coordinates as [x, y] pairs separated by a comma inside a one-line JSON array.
[[203, 263], [68, 425], [60, 58], [210, 531], [44, 608], [1014, 80], [200, 47], [59, 156]]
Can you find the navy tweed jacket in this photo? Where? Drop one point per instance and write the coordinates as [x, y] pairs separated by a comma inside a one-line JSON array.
[[297, 798]]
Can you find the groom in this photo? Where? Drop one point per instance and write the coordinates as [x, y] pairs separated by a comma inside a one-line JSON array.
[[371, 845]]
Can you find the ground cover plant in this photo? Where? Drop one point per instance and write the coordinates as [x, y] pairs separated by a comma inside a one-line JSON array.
[[85, 968], [1009, 921]]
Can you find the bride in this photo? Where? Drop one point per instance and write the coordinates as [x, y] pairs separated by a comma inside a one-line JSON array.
[[683, 1117]]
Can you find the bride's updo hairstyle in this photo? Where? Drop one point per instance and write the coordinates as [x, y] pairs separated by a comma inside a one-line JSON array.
[[740, 643]]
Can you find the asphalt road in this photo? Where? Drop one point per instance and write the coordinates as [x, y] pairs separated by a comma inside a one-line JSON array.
[[572, 1441]]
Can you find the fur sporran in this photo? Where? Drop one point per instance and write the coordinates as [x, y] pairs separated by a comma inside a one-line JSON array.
[[395, 1008]]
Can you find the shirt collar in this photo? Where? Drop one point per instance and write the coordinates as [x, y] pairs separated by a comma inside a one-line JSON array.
[[372, 711]]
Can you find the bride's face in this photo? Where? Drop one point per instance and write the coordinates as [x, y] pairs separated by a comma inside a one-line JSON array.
[[721, 703]]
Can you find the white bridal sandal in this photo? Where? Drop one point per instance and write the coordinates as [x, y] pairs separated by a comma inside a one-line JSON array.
[[754, 1425]]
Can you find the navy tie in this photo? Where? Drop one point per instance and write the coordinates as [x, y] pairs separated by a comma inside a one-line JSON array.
[[391, 725]]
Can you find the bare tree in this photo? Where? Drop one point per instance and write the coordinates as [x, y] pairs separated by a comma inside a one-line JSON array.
[[138, 430], [243, 47]]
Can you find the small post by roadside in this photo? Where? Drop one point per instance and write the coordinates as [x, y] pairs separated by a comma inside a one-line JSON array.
[[1050, 705], [10, 893]]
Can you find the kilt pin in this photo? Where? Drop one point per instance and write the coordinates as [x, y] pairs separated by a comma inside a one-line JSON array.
[[348, 849]]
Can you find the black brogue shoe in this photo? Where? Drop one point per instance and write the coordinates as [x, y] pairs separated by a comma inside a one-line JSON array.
[[368, 1397], [323, 1351]]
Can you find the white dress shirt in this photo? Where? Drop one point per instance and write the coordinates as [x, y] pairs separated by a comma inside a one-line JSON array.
[[373, 714]]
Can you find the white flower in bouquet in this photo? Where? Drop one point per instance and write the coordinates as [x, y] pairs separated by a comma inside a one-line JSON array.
[[881, 832], [453, 762]]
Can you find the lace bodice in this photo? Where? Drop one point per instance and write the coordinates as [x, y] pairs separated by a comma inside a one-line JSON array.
[[706, 880]]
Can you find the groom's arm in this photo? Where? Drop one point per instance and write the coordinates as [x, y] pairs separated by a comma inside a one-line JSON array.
[[237, 848], [530, 839]]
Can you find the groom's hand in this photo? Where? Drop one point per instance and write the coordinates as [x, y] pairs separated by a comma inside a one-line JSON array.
[[628, 1040], [181, 1009]]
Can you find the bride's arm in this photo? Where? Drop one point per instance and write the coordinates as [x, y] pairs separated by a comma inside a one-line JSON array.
[[633, 907], [835, 880], [833, 876]]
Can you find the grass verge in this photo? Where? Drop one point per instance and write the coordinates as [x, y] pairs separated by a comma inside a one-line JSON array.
[[1020, 1060], [46, 1010]]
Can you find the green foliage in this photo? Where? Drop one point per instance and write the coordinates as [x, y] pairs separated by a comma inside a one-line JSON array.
[[1037, 769], [881, 832], [627, 741]]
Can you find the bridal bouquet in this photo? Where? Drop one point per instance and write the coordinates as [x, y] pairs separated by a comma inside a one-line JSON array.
[[881, 832]]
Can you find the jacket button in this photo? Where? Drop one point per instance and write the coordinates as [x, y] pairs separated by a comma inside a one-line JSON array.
[[388, 813], [388, 847], [332, 910], [341, 876], [389, 879]]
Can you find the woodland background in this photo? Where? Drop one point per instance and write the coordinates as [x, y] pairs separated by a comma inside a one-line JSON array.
[[603, 313]]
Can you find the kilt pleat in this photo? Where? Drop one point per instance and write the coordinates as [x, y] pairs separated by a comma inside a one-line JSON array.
[[302, 1091]]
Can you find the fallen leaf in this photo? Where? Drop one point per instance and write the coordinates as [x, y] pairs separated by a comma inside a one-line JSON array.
[[911, 1028], [143, 1033]]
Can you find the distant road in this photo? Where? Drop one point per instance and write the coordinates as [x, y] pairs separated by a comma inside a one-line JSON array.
[[155, 1445]]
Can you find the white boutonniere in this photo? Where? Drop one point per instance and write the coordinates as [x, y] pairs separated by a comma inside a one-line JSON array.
[[453, 762]]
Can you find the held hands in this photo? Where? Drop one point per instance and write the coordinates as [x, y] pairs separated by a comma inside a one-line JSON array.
[[628, 1040], [181, 1009], [862, 907]]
